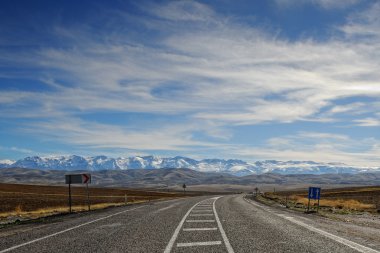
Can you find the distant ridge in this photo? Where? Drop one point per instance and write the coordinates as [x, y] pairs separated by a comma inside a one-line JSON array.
[[163, 178], [233, 167]]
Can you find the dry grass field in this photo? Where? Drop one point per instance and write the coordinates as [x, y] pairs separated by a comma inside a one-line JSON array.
[[31, 201], [336, 200]]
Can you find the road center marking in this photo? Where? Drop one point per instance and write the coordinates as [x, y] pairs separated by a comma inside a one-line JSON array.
[[176, 231], [199, 229], [201, 214], [189, 244], [192, 244], [200, 221]]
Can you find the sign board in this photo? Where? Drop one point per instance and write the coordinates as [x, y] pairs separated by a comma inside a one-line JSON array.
[[78, 179], [314, 193]]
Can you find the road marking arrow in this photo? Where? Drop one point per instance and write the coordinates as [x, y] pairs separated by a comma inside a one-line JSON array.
[[85, 178]]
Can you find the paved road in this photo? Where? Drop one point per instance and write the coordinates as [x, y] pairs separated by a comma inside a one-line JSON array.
[[199, 224]]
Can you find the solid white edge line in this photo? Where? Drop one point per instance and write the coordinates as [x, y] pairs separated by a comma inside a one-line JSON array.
[[177, 230], [336, 238], [192, 244], [353, 245], [66, 230], [225, 239]]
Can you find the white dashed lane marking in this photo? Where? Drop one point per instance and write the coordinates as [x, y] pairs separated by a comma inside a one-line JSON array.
[[192, 244], [192, 221], [202, 214], [199, 229]]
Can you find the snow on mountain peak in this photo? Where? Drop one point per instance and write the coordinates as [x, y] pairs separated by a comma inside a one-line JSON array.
[[6, 161], [232, 166]]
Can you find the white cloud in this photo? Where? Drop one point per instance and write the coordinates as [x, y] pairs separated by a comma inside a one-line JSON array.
[[214, 73], [181, 11], [94, 135], [364, 23], [314, 146], [18, 150], [326, 4], [368, 122], [231, 73]]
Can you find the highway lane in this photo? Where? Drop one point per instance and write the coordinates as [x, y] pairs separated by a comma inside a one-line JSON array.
[[137, 228], [198, 224], [263, 229]]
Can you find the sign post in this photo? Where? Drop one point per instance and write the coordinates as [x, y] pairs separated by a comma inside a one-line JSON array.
[[70, 197], [78, 179], [184, 188], [88, 197], [314, 193]]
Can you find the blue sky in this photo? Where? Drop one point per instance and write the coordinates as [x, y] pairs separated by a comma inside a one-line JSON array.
[[252, 80]]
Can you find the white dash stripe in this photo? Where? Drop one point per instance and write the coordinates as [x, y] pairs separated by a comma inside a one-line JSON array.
[[199, 229], [202, 210], [192, 244], [200, 221], [203, 214]]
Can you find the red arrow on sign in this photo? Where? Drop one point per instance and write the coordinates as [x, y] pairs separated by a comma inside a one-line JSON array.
[[85, 178]]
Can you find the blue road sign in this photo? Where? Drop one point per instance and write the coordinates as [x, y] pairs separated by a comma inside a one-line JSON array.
[[314, 193]]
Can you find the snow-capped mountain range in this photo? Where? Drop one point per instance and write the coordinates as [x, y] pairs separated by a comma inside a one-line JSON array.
[[234, 167]]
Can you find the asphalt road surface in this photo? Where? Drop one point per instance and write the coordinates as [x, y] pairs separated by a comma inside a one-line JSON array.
[[198, 224]]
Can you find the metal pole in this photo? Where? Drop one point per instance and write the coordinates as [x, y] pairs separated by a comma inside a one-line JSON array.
[[88, 198], [318, 206], [308, 205], [70, 195]]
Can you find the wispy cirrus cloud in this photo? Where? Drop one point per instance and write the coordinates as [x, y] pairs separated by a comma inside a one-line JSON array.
[[325, 4], [211, 71], [364, 24], [368, 122], [316, 146]]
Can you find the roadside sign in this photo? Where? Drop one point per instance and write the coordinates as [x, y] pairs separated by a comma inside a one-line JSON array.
[[314, 193], [78, 179]]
